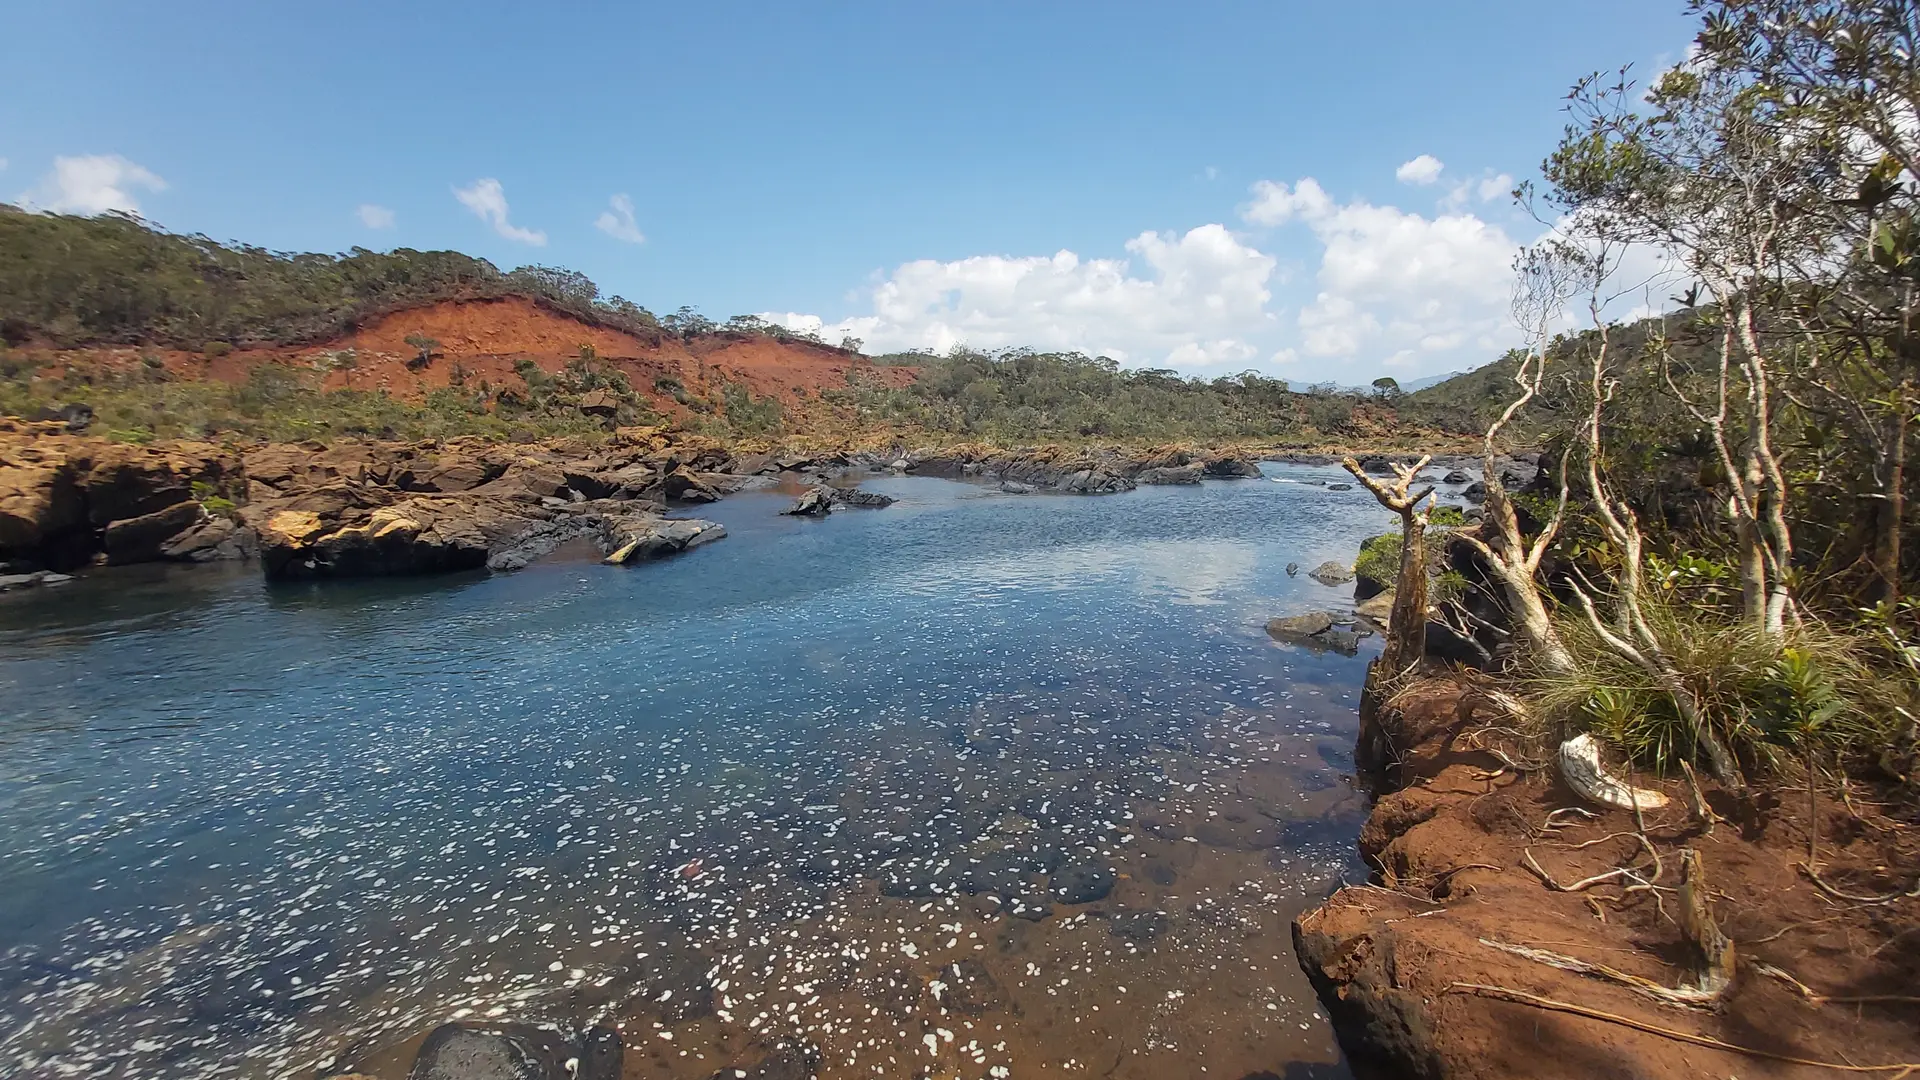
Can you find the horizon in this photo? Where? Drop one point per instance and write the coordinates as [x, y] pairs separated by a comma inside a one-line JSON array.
[[1147, 188]]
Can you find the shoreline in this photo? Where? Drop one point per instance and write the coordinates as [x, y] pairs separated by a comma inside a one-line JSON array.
[[1419, 971]]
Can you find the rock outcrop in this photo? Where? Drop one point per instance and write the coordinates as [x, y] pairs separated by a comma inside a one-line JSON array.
[[1316, 630], [814, 502], [67, 500]]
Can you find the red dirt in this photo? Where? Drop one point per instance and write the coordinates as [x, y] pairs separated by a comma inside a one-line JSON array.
[[1388, 959], [483, 338]]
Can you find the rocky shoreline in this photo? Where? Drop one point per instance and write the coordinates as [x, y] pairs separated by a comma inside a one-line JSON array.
[[360, 509]]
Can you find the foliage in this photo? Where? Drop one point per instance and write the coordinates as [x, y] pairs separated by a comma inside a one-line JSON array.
[[1822, 692], [1019, 395]]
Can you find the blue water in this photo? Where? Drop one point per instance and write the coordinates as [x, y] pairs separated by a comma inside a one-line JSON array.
[[248, 830]]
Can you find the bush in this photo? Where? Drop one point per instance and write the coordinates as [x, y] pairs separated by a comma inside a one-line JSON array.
[[1821, 694]]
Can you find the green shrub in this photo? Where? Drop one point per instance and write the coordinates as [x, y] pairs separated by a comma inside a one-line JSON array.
[[214, 350]]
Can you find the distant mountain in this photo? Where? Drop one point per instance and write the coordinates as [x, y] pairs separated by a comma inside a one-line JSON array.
[[1408, 386]]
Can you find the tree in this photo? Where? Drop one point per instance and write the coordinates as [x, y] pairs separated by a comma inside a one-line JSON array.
[[1407, 626], [1386, 386], [423, 347]]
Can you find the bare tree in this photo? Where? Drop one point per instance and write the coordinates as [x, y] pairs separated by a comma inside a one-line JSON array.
[[1407, 626], [1545, 279]]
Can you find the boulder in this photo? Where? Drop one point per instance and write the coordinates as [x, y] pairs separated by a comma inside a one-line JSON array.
[[681, 485], [1475, 492], [1331, 573], [1232, 468], [1456, 476], [1339, 487], [814, 502], [1096, 480], [1376, 609], [1014, 487], [753, 465], [656, 539], [416, 536], [33, 580], [141, 539], [1173, 474], [1295, 628], [1314, 630], [1293, 569], [216, 538], [855, 497]]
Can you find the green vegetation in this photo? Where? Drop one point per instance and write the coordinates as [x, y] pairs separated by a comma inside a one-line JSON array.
[[1019, 395], [285, 404], [114, 279], [1730, 580]]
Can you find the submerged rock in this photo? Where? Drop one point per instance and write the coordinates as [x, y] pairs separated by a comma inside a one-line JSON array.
[[1014, 487], [516, 1052], [1315, 630], [33, 580], [1331, 573], [1081, 883]]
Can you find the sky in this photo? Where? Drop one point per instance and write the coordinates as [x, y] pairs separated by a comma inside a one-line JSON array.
[[1316, 191]]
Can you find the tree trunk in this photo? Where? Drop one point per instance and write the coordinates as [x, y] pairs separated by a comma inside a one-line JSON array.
[[1893, 509], [1407, 630]]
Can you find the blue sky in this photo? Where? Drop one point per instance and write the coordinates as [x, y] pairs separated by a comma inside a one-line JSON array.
[[1313, 190]]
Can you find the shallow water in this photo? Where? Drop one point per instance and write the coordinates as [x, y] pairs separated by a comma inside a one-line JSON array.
[[773, 790]]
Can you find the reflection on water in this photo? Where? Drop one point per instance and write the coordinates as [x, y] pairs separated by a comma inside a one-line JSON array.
[[976, 784]]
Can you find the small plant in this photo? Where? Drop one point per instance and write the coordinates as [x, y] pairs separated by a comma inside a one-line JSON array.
[[423, 347], [214, 350]]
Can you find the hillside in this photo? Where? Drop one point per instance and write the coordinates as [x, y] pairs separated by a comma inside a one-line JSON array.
[[163, 335]]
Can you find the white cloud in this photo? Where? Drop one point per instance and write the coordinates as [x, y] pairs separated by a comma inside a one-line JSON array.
[[1422, 170], [375, 217], [1394, 285], [91, 184], [618, 221], [488, 201], [1202, 295]]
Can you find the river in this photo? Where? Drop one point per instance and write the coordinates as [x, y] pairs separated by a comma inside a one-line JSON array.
[[981, 784]]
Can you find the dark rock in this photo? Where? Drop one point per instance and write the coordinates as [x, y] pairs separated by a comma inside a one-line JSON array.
[[1178, 474], [681, 485], [77, 417], [1339, 487], [1475, 492], [656, 539], [1160, 872], [141, 539], [1378, 1022], [1095, 481], [856, 497], [1456, 477], [1296, 628], [816, 502], [1340, 641], [788, 1062], [1376, 465], [1293, 569], [1331, 573], [1232, 468], [968, 988], [216, 538], [1140, 927], [753, 465], [507, 1052], [1082, 883], [672, 984]]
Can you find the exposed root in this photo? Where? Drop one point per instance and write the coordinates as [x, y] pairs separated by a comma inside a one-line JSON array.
[[1684, 997], [1521, 997], [1837, 894]]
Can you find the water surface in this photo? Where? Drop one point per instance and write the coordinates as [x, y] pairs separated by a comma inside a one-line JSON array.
[[809, 783]]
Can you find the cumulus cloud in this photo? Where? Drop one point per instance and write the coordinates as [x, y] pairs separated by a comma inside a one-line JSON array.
[[375, 217], [488, 201], [1422, 170], [1192, 299], [1393, 285], [91, 184], [617, 221]]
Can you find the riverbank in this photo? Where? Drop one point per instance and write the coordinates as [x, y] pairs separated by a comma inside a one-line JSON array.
[[355, 508], [1498, 899]]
